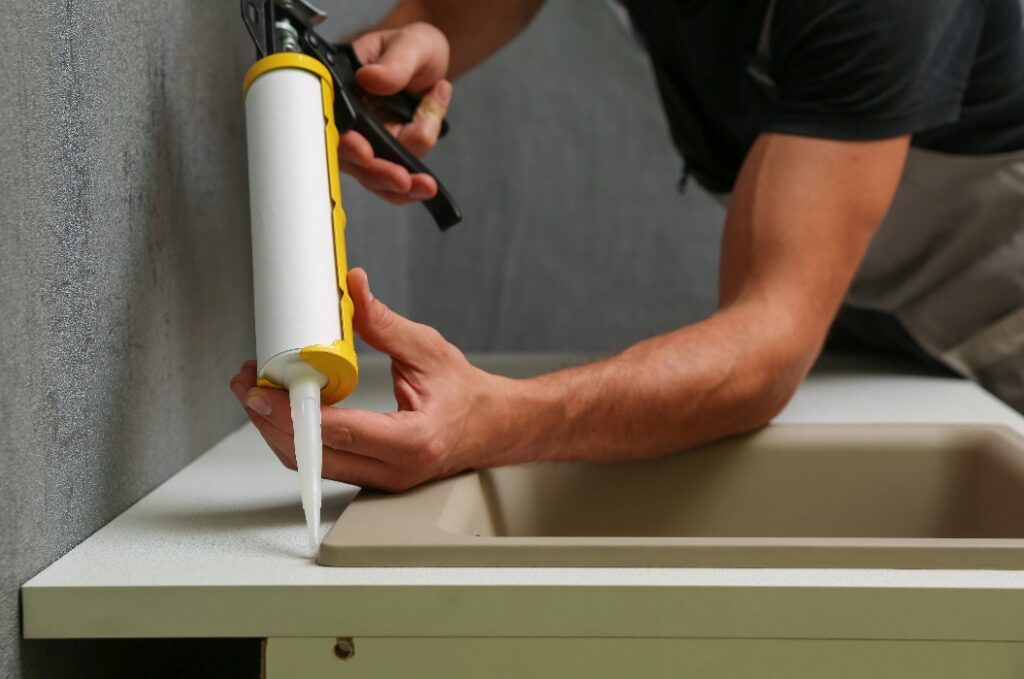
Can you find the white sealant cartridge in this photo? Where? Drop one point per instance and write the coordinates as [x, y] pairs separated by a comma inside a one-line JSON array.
[[303, 312]]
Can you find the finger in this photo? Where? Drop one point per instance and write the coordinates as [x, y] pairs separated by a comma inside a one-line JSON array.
[[355, 149], [356, 154], [387, 331], [363, 432], [356, 171], [420, 135], [390, 196], [381, 175], [396, 198], [369, 45], [420, 188], [400, 198], [272, 405], [341, 465], [337, 464], [241, 383], [412, 58], [248, 371], [382, 436], [424, 186], [385, 178], [359, 174]]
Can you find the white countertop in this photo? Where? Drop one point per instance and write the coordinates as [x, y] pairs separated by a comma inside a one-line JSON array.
[[231, 522]]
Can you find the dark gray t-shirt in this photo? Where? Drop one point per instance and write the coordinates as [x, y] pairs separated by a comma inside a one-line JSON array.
[[948, 72]]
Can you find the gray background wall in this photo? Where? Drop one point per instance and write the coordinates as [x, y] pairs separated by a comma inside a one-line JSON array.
[[124, 264]]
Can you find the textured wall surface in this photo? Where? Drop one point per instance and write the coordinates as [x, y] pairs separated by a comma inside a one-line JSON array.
[[574, 235], [125, 284]]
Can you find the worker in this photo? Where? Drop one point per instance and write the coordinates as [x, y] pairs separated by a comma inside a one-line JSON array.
[[871, 154]]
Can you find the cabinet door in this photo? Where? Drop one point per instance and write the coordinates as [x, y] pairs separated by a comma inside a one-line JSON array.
[[613, 658]]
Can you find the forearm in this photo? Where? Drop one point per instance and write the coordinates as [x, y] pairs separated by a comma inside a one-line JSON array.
[[475, 30], [724, 376], [794, 236]]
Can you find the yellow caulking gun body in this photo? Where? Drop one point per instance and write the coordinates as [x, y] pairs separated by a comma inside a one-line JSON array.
[[297, 95]]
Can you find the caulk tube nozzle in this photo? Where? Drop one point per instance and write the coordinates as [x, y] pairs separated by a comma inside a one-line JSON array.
[[304, 385]]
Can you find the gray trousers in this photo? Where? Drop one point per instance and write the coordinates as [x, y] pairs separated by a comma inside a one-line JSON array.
[[866, 331]]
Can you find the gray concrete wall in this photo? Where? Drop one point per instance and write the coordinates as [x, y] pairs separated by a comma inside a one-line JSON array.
[[125, 291]]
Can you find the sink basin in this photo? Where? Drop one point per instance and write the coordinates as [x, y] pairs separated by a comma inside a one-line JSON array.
[[847, 496]]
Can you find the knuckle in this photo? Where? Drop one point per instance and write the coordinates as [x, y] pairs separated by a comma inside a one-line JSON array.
[[385, 317], [423, 451], [433, 450], [420, 27], [341, 438], [435, 341], [429, 30], [422, 140]]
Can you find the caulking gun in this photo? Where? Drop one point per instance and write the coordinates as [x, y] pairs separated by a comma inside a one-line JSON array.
[[299, 94]]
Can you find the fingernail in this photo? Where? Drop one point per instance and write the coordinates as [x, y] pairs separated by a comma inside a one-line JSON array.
[[419, 193], [253, 401]]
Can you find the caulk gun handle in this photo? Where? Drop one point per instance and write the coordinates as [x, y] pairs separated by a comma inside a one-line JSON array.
[[442, 206]]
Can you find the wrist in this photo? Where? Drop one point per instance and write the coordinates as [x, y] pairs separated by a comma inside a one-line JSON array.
[[520, 413], [551, 416]]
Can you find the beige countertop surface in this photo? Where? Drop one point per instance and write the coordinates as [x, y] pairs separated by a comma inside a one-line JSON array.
[[220, 550]]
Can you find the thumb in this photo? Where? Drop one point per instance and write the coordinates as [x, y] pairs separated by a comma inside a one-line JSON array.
[[384, 329], [410, 58]]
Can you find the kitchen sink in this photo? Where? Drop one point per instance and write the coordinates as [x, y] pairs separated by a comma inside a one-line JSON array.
[[788, 496]]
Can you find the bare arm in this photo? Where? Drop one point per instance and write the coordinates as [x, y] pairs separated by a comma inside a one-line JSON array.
[[800, 221]]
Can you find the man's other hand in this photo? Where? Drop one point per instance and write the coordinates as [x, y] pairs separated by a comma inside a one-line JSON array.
[[413, 58], [451, 416]]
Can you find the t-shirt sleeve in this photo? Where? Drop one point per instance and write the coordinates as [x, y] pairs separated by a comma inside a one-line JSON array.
[[870, 69]]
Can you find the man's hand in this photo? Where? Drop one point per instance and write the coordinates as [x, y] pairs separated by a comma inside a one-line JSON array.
[[414, 58], [450, 415], [415, 47]]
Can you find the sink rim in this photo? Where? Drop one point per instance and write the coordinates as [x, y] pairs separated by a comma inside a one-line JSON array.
[[407, 530]]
